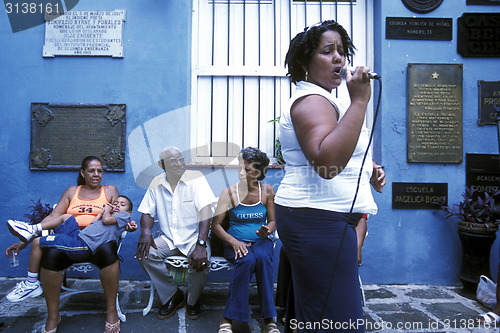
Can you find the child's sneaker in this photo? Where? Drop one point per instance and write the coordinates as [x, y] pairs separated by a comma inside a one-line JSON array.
[[25, 290], [24, 231]]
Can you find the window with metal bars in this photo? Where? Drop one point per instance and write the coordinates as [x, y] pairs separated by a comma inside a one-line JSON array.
[[239, 82]]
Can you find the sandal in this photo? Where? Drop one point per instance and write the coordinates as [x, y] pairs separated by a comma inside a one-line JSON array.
[[111, 327], [225, 328], [271, 328], [489, 318], [54, 330]]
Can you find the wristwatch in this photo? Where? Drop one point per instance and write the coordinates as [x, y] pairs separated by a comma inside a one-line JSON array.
[[201, 242]]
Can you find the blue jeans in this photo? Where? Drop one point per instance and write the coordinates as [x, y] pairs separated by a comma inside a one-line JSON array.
[[259, 260]]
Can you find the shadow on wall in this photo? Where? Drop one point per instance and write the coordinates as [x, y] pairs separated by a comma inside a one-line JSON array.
[[172, 129]]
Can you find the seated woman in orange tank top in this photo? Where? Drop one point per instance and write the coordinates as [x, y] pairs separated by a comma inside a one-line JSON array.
[[85, 201]]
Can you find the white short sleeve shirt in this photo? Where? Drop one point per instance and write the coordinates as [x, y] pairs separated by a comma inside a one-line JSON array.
[[178, 212]]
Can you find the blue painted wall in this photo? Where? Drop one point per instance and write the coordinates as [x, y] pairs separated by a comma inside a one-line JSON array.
[[153, 79], [418, 246]]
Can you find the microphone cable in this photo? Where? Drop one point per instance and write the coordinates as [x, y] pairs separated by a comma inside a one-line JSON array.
[[377, 109]]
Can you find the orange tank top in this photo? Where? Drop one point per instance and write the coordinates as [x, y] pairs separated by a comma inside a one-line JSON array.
[[85, 210]]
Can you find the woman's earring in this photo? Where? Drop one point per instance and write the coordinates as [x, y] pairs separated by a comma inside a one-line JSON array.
[[306, 75]]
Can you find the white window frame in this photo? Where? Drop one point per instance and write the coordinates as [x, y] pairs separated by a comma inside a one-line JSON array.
[[364, 55]]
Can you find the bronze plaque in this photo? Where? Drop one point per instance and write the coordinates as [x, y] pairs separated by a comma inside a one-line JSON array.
[[435, 113], [482, 172], [483, 2], [419, 195], [478, 35], [489, 102], [63, 134], [418, 28], [422, 6]]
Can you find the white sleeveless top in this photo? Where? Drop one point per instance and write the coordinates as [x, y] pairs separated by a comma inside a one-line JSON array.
[[302, 187]]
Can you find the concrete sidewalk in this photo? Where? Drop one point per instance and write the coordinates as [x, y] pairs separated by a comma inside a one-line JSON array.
[[389, 308]]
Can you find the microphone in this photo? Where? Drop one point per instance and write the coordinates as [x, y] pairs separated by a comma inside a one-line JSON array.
[[343, 73]]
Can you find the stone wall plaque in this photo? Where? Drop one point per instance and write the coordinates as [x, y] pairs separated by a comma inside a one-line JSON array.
[[478, 35], [419, 195], [435, 113], [84, 33], [482, 172], [63, 134], [489, 102], [418, 28]]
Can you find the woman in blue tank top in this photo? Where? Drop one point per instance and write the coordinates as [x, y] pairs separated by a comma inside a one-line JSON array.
[[249, 205]]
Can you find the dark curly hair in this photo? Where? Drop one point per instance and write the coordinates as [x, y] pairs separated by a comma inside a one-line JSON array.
[[305, 43], [257, 158]]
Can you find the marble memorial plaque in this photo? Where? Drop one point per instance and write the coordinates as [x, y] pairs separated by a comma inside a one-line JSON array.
[[435, 113], [63, 134], [84, 33]]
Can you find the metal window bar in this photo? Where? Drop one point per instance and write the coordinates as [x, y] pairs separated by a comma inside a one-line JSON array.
[[310, 7]]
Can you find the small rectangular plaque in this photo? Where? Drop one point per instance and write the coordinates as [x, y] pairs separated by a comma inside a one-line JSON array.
[[418, 28], [478, 35], [434, 113], [489, 102], [84, 33], [419, 195], [482, 172], [483, 2], [63, 134]]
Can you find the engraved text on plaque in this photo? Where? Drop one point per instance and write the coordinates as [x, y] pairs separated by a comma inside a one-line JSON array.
[[84, 33], [63, 134], [435, 113]]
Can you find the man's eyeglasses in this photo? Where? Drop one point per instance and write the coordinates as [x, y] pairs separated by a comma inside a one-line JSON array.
[[174, 160]]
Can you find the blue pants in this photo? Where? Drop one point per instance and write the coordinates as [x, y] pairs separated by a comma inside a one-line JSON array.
[[259, 260], [322, 248]]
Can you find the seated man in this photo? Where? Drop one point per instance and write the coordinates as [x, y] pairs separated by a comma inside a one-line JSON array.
[[180, 201]]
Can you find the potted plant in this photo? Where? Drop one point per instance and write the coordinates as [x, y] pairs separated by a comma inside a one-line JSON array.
[[277, 145], [38, 212], [477, 227]]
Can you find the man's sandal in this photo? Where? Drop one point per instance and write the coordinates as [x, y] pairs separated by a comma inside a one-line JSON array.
[[112, 327], [225, 328], [489, 318], [271, 328]]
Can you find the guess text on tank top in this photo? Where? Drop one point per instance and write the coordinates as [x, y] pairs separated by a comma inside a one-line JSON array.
[[249, 216]]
